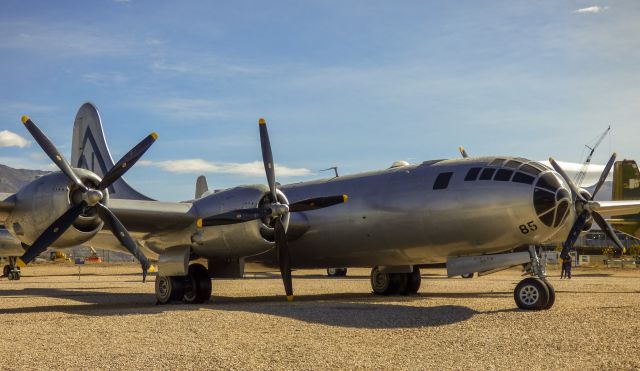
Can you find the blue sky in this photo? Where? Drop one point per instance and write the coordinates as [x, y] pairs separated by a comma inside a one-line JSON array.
[[357, 84]]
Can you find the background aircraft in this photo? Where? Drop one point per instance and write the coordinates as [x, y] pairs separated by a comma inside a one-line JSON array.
[[471, 213]]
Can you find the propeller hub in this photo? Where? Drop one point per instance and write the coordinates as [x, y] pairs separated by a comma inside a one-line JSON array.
[[93, 196], [278, 210]]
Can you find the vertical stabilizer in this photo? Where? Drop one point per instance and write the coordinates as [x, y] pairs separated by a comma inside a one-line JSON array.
[[201, 186], [626, 181], [89, 151]]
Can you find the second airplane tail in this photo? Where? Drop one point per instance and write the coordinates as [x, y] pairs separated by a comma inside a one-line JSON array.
[[89, 151]]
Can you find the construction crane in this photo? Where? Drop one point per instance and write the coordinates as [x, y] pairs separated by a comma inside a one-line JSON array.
[[583, 170]]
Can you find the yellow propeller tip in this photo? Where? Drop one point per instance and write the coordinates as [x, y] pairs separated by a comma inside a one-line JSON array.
[[289, 297], [199, 223], [345, 198], [25, 118], [262, 121], [154, 135], [20, 263]]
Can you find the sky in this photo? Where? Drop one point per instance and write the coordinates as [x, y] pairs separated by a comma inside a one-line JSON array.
[[353, 84]]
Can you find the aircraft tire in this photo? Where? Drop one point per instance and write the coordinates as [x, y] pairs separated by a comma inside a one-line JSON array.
[[414, 279], [336, 272], [10, 276], [552, 294], [398, 284], [198, 285], [380, 282], [5, 270], [468, 275], [169, 288], [531, 294]]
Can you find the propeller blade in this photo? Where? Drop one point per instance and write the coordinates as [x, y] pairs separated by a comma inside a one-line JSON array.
[[317, 203], [124, 237], [604, 175], [566, 178], [575, 232], [127, 161], [608, 230], [53, 232], [50, 149], [267, 158], [234, 217], [284, 258]]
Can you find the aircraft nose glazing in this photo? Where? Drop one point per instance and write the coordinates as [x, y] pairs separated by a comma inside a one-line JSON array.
[[551, 200]]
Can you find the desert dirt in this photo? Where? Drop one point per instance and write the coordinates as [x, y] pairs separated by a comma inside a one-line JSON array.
[[107, 318]]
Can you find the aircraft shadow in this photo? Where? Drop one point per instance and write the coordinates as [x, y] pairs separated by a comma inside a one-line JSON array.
[[328, 309]]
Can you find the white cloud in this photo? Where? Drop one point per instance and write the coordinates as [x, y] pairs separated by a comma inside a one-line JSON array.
[[196, 166], [106, 78], [592, 9], [11, 139]]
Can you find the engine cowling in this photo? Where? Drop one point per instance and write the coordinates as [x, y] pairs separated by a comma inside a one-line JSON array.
[[242, 239], [43, 201]]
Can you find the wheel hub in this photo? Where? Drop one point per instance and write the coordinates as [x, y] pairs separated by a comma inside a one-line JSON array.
[[529, 294]]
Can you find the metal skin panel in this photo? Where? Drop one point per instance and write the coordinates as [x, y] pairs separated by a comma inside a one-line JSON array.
[[174, 261], [9, 246], [41, 202], [483, 263], [234, 240], [394, 217]]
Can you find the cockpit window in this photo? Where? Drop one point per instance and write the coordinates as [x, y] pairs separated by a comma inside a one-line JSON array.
[[497, 162], [442, 181], [548, 181], [523, 178], [530, 170], [503, 175], [472, 174], [513, 164], [487, 173]]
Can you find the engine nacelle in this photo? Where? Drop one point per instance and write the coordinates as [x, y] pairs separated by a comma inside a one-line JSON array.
[[43, 201], [242, 239]]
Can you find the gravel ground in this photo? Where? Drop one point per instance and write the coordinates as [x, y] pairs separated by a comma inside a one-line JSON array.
[[106, 318]]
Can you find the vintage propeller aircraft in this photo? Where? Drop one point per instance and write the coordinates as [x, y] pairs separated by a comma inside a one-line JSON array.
[[474, 214]]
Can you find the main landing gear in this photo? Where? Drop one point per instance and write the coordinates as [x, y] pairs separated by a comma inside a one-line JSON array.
[[194, 288], [395, 283], [534, 293], [11, 270], [336, 272]]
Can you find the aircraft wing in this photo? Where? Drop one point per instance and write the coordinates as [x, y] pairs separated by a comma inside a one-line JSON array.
[[144, 216], [610, 208]]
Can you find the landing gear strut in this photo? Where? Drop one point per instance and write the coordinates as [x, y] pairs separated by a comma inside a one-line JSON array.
[[194, 288], [534, 293], [11, 270], [395, 283]]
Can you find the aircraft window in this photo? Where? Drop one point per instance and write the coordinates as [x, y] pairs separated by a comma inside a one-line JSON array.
[[497, 162], [472, 174], [548, 181], [523, 178], [561, 213], [543, 201], [530, 169], [513, 164], [503, 175], [442, 181], [487, 174], [547, 218]]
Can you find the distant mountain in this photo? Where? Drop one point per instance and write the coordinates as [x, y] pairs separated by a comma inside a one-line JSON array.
[[11, 180]]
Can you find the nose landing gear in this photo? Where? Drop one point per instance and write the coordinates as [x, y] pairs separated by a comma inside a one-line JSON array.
[[534, 293]]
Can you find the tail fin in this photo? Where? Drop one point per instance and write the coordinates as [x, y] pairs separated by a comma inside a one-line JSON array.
[[89, 151], [201, 186], [626, 181]]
